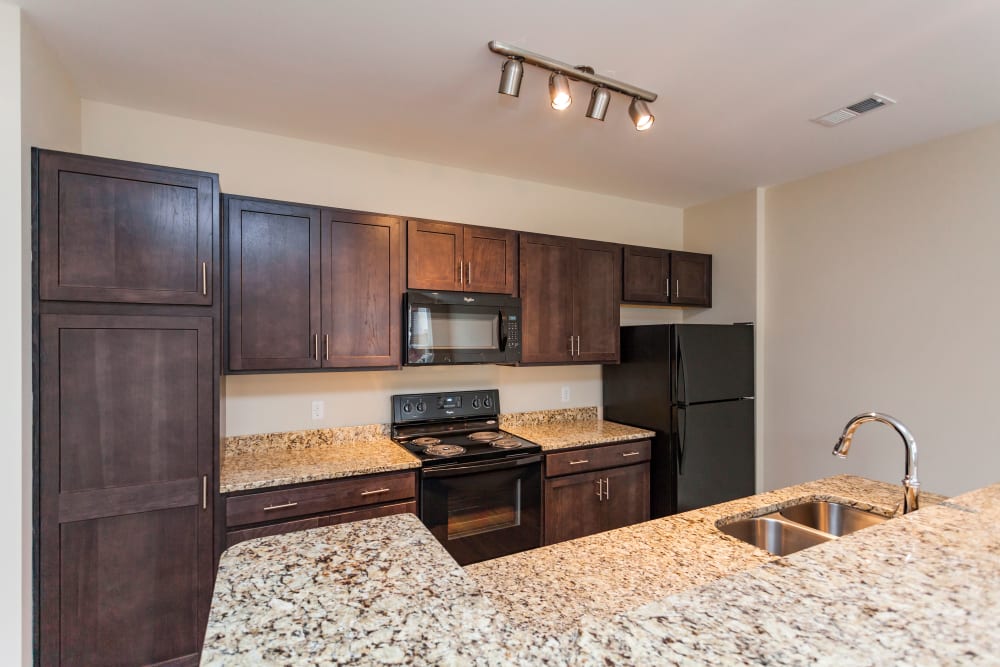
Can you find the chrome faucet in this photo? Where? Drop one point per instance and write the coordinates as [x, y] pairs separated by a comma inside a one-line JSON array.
[[911, 486]]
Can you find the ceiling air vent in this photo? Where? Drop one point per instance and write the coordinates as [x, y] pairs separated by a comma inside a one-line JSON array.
[[844, 114]]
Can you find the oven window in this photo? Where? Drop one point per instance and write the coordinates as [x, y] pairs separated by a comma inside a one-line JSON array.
[[442, 328], [488, 507]]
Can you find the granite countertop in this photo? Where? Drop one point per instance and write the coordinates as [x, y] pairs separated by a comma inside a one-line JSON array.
[[573, 427], [276, 459], [673, 590]]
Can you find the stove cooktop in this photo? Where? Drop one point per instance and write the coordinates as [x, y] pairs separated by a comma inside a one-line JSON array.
[[456, 427]]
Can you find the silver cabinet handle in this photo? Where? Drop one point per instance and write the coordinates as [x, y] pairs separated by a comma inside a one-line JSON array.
[[326, 345], [571, 346], [600, 495], [469, 281], [279, 507], [204, 492], [375, 492], [576, 463], [316, 346], [630, 454], [578, 346], [607, 488], [204, 279], [461, 274], [677, 289]]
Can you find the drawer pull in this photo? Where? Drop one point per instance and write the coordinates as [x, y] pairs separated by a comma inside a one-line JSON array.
[[376, 491], [576, 463], [279, 507], [630, 454]]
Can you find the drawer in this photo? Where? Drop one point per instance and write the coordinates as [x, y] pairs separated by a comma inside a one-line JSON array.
[[596, 458], [237, 536], [304, 500]]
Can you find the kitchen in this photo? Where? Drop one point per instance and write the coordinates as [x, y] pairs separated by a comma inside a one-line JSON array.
[[843, 325]]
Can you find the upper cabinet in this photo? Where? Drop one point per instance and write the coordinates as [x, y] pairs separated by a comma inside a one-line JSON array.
[[691, 274], [310, 287], [569, 298], [667, 277], [112, 231], [460, 258]]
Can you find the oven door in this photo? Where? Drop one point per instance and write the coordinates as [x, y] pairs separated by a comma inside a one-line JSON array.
[[480, 511], [461, 330]]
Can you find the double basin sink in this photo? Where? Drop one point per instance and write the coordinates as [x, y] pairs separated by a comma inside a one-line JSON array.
[[800, 526]]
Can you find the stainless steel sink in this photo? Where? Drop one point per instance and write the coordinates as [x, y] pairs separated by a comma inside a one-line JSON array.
[[779, 537], [832, 518], [801, 526]]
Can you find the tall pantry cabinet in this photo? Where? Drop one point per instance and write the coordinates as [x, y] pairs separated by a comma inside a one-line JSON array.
[[127, 361]]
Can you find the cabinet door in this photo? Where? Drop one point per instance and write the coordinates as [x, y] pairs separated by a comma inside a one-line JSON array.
[[573, 506], [361, 290], [490, 260], [692, 277], [125, 480], [124, 232], [646, 275], [546, 279], [626, 496], [596, 299], [434, 256], [273, 265]]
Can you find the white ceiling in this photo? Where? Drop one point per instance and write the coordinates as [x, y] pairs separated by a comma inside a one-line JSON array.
[[738, 79]]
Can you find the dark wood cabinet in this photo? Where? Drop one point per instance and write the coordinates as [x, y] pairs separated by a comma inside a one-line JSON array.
[[273, 266], [361, 293], [570, 293], [124, 232], [691, 274], [266, 512], [595, 489], [460, 258], [126, 440], [646, 275], [311, 287]]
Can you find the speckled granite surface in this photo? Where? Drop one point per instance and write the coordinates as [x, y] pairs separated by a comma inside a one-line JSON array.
[[918, 590], [670, 591], [573, 427], [276, 459]]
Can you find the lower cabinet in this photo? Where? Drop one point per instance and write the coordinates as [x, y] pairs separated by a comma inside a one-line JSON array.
[[303, 506], [611, 490]]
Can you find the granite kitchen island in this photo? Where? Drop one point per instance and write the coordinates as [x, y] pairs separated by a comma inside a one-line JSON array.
[[675, 590]]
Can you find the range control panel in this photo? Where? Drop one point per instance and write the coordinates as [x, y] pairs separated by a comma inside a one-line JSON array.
[[450, 405]]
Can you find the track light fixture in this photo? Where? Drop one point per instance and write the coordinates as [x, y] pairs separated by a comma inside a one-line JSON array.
[[559, 91], [510, 77]]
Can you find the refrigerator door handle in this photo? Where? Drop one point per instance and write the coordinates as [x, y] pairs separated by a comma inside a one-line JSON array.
[[681, 438]]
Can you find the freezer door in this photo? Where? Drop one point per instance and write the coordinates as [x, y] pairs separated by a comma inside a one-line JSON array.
[[712, 362], [715, 453]]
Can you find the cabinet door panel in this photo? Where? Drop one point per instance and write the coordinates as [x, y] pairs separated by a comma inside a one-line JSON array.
[[361, 290], [490, 260], [573, 506], [692, 278], [274, 285], [125, 468], [546, 279], [627, 496], [122, 232], [647, 275], [434, 256], [596, 314]]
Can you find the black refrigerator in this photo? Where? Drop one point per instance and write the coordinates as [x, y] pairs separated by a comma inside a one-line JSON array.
[[693, 384]]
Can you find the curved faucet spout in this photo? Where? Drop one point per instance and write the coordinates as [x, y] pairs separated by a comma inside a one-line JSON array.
[[911, 485]]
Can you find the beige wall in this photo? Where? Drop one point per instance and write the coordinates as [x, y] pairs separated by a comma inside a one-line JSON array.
[[265, 165], [881, 294], [38, 107]]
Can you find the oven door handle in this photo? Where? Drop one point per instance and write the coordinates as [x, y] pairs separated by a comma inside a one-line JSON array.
[[451, 471]]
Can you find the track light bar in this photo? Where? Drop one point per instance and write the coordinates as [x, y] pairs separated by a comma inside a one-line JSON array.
[[569, 71]]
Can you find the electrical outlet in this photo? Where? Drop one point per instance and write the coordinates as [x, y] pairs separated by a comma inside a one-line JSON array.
[[564, 394], [317, 409]]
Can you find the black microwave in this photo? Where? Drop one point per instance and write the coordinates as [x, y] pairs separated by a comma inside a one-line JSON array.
[[461, 328]]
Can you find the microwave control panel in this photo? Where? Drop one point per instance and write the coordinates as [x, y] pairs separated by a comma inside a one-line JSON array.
[[513, 332]]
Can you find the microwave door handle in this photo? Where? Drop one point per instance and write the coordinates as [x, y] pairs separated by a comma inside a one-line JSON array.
[[501, 330]]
